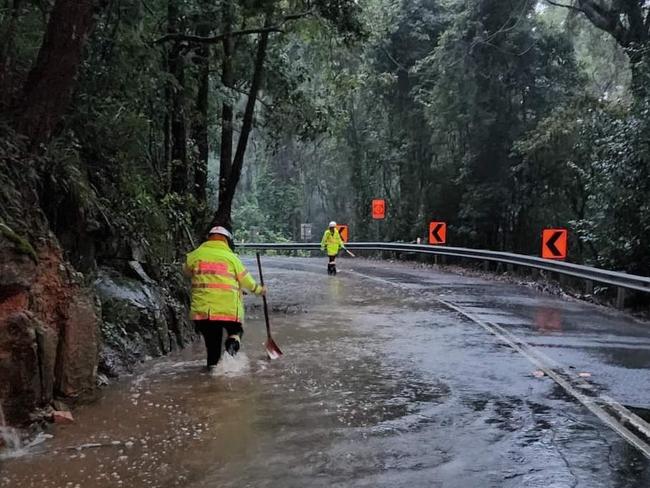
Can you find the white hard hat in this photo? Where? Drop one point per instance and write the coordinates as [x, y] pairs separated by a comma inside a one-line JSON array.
[[221, 231], [332, 224]]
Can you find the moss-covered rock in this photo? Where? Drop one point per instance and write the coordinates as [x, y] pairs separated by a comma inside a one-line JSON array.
[[22, 245]]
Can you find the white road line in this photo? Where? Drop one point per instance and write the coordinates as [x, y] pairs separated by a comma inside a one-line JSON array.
[[598, 405], [593, 404]]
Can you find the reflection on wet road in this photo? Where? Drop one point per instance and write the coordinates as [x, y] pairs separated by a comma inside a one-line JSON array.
[[380, 386]]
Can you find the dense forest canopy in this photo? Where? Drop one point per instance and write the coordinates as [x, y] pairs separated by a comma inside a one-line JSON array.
[[137, 123]]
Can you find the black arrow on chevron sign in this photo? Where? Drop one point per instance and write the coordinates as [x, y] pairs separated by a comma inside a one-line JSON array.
[[434, 233], [550, 243]]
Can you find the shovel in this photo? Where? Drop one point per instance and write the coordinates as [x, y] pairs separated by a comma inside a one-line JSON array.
[[349, 252], [272, 349]]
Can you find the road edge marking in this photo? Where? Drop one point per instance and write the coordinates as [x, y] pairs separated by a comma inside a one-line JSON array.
[[593, 404], [612, 415], [612, 419]]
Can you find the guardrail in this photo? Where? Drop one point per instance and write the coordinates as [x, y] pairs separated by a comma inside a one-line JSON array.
[[622, 281]]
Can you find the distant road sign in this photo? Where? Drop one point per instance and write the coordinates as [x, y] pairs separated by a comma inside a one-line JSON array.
[[438, 233], [378, 209], [344, 231], [305, 232], [554, 243]]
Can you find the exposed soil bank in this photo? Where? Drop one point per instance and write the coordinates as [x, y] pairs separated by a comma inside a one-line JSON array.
[[83, 291]]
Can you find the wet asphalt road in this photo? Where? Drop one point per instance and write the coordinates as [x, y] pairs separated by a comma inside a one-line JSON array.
[[382, 384]]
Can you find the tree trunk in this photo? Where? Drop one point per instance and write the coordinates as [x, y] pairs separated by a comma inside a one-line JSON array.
[[227, 112], [49, 85], [201, 118], [166, 163], [223, 215], [7, 53], [640, 68], [201, 126], [178, 129]]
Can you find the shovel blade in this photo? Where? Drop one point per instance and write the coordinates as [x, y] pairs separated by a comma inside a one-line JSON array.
[[272, 349]]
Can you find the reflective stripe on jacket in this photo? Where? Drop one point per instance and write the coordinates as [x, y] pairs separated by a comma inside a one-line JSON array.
[[332, 242], [218, 277]]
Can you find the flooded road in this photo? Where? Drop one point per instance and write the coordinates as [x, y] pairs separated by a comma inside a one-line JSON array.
[[381, 385]]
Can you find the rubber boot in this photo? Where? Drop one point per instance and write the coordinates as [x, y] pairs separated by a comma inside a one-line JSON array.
[[232, 345], [331, 269]]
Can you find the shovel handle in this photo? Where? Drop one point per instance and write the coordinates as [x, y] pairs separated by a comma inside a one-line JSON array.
[[266, 307]]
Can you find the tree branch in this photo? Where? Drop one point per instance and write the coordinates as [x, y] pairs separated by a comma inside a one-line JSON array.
[[218, 38], [244, 32], [564, 5], [605, 19], [600, 16], [297, 16], [395, 62], [244, 92], [148, 8]]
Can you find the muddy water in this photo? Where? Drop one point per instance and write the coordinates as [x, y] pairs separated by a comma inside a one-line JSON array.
[[376, 388]]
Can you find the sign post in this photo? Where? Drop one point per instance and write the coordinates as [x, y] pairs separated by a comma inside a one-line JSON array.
[[378, 212], [253, 233], [554, 243]]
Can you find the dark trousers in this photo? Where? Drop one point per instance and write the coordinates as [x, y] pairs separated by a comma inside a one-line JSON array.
[[332, 258], [212, 332]]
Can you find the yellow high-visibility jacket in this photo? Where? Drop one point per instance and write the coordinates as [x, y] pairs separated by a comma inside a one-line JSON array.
[[218, 280], [331, 242]]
